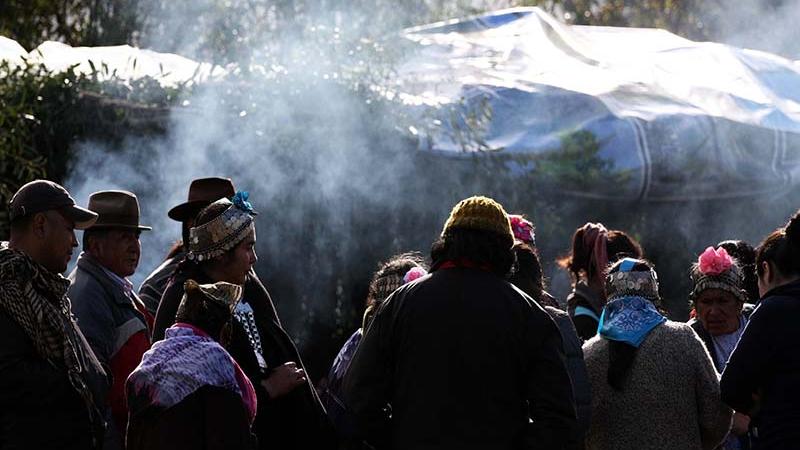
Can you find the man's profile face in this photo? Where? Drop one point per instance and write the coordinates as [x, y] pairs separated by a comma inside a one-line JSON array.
[[57, 235], [118, 250]]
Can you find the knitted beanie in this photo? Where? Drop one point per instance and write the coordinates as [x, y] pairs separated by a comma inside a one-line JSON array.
[[480, 213]]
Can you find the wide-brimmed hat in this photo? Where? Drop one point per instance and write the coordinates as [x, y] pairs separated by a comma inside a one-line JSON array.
[[44, 195], [116, 209], [202, 192]]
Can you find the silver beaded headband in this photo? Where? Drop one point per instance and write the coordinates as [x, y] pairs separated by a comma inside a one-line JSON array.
[[633, 284], [211, 239]]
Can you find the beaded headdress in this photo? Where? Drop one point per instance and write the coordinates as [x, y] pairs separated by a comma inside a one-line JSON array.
[[211, 239], [632, 284]]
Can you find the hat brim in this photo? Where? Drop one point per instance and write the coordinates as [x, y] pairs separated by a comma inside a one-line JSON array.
[[187, 211], [82, 217], [126, 226]]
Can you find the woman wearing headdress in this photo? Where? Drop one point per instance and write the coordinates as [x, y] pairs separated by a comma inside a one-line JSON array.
[[188, 392], [653, 384], [722, 311], [222, 248], [762, 377], [391, 274], [593, 248]]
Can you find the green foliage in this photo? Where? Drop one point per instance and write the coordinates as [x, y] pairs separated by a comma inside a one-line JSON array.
[[42, 113], [76, 22]]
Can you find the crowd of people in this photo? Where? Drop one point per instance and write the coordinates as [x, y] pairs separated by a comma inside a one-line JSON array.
[[465, 349]]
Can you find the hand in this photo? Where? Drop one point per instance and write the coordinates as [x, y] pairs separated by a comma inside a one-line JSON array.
[[741, 423], [284, 379]]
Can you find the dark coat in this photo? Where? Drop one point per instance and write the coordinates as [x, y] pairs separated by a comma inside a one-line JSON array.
[[576, 366], [211, 418], [295, 421], [39, 408], [766, 364], [705, 336], [465, 360], [156, 283]]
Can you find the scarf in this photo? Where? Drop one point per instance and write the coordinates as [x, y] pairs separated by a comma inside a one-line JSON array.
[[36, 299], [629, 320], [186, 360]]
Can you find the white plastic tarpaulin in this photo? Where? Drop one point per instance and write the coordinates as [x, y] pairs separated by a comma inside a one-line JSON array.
[[681, 119], [123, 61], [674, 119]]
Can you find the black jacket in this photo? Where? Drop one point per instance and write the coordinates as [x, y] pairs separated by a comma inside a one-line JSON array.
[[576, 366], [465, 360], [295, 421], [39, 408], [766, 364]]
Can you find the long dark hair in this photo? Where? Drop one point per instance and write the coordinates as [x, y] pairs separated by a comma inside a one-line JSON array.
[[745, 255], [621, 355], [781, 249], [528, 267], [483, 248]]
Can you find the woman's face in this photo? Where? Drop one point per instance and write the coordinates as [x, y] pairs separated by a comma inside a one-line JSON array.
[[719, 311], [234, 265]]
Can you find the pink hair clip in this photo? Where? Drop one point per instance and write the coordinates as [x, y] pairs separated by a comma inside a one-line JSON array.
[[523, 229], [413, 274]]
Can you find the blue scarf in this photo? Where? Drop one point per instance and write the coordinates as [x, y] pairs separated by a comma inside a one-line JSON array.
[[629, 319]]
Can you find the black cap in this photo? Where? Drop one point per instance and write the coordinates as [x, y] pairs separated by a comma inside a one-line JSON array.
[[43, 195]]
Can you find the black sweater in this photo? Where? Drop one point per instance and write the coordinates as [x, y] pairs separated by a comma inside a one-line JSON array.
[[766, 365]]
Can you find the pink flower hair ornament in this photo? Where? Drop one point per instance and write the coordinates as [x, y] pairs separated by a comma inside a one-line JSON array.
[[523, 229], [714, 262], [413, 274]]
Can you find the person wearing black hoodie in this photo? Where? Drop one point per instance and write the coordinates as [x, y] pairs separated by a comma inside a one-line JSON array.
[[762, 377]]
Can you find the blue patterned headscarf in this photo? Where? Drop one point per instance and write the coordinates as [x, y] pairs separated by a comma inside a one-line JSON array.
[[630, 316]]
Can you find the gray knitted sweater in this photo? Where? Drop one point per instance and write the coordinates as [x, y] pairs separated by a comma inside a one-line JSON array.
[[671, 399]]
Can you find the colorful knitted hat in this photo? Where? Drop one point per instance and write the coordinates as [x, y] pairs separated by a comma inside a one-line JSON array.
[[224, 232], [715, 269], [480, 213]]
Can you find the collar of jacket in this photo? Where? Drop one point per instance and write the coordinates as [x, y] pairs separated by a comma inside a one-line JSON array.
[[90, 265], [450, 264], [787, 290]]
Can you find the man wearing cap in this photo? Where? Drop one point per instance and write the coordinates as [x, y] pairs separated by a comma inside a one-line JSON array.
[[202, 192], [461, 359], [51, 384], [110, 314]]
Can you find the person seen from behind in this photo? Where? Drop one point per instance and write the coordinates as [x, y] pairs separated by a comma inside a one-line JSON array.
[[762, 377], [462, 359], [653, 383]]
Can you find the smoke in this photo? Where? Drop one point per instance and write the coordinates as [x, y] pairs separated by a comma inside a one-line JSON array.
[[339, 182], [767, 25]]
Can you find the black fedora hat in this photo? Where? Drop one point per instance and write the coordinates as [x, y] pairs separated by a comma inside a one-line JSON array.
[[202, 192]]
